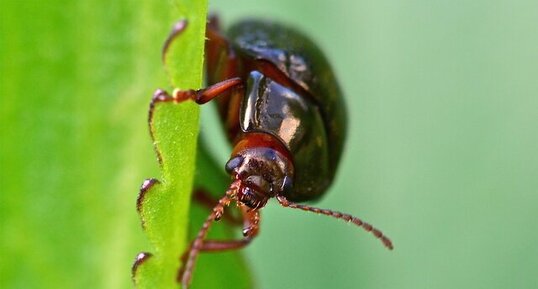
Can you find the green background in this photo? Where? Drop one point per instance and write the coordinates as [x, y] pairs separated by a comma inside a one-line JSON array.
[[441, 154]]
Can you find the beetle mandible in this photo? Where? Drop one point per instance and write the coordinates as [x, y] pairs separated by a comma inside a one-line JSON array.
[[283, 112]]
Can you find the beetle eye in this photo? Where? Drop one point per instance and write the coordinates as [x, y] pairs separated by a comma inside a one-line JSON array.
[[233, 163], [287, 186]]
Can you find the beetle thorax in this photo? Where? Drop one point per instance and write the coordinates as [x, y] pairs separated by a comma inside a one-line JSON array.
[[262, 172]]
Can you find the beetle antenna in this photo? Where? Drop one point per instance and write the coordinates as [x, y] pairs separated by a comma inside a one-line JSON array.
[[346, 217], [216, 214]]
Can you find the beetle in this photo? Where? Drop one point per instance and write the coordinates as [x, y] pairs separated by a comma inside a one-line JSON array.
[[284, 113]]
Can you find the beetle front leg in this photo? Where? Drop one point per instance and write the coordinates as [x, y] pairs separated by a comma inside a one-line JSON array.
[[250, 231], [251, 220], [205, 199]]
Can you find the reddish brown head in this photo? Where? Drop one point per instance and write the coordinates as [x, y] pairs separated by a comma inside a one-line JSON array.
[[262, 173]]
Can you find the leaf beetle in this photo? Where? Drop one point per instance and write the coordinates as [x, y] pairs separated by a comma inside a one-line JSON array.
[[284, 113]]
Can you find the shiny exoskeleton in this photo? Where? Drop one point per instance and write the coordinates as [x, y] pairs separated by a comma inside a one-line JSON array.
[[284, 113]]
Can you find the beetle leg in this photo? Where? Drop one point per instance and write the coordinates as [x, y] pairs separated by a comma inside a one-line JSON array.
[[207, 200], [346, 217], [199, 96], [215, 44], [251, 220], [177, 29], [198, 242], [207, 94]]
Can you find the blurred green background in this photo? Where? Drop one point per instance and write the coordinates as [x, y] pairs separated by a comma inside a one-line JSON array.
[[441, 154]]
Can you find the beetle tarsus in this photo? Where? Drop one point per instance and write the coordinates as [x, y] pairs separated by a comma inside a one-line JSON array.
[[177, 29], [161, 95]]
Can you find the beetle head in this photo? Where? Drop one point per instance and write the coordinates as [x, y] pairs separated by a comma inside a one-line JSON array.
[[262, 172]]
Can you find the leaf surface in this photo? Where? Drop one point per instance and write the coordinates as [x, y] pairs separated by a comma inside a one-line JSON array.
[[77, 78]]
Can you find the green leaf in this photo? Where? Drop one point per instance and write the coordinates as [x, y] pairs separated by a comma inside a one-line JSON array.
[[77, 78]]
